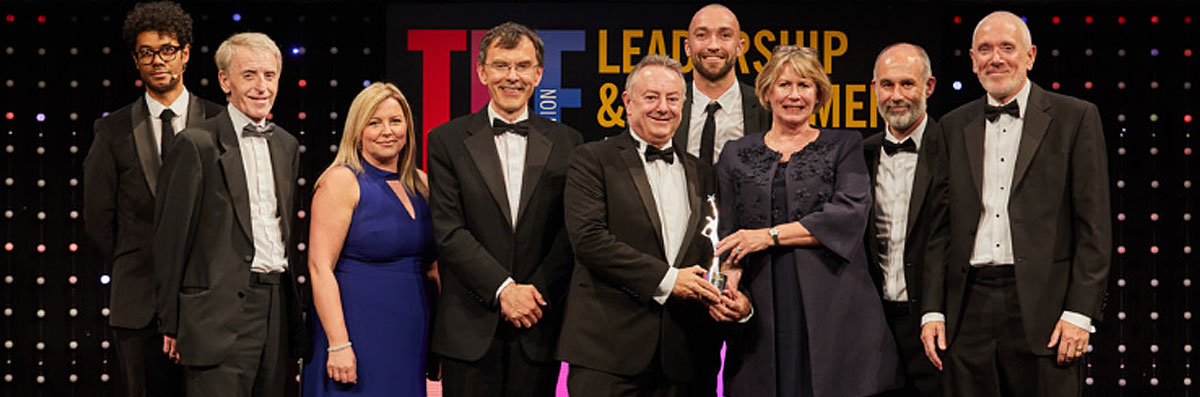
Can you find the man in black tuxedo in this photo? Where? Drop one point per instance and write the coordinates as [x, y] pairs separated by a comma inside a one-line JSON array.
[[496, 182], [1018, 262], [227, 300], [727, 109], [898, 159], [634, 213], [120, 175]]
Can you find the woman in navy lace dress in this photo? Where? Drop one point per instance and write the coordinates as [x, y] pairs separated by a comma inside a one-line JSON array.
[[793, 208], [370, 253]]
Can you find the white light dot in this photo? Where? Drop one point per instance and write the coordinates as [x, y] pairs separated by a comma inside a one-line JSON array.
[[73, 182], [1187, 249], [9, 148], [1121, 348], [301, 181], [1154, 85], [41, 183], [40, 345], [1120, 315], [73, 312], [301, 246], [73, 345], [1089, 381], [204, 81], [1121, 151], [1121, 382], [41, 215], [1187, 381], [8, 312], [105, 50], [1187, 184], [74, 51], [41, 313], [1187, 348], [1187, 315], [333, 115], [74, 214], [73, 116], [104, 312], [1153, 381], [41, 51], [1187, 85], [301, 279], [366, 50], [1153, 117], [1121, 118], [333, 83], [8, 378], [1154, 184], [1121, 52], [303, 148], [1154, 315], [73, 378], [1054, 52], [333, 50], [204, 49], [9, 83], [1154, 282], [1153, 151], [333, 148], [1187, 282], [1120, 282], [8, 279], [41, 84], [41, 280], [104, 378], [8, 181], [104, 344], [8, 50], [1154, 348], [105, 83], [41, 379], [74, 83], [8, 344], [1187, 216], [1120, 85]]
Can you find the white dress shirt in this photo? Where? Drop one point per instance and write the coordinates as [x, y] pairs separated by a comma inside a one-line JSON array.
[[668, 184], [729, 120], [511, 148], [179, 122], [993, 238], [893, 191], [269, 255]]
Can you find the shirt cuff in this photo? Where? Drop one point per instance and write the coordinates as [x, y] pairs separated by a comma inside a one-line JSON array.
[[931, 317], [502, 285], [1078, 320], [744, 320], [665, 286]]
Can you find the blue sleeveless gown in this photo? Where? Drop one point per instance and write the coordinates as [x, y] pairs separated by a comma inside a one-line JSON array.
[[380, 273]]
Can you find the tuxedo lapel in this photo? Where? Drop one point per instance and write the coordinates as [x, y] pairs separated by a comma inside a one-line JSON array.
[[973, 138], [921, 180], [681, 132], [280, 170], [195, 111], [143, 141], [750, 109], [481, 145], [537, 150], [637, 171], [1037, 122], [235, 172], [693, 194]]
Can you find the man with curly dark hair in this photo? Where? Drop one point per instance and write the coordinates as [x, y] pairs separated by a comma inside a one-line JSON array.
[[120, 175]]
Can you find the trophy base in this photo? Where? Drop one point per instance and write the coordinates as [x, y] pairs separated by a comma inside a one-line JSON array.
[[717, 280]]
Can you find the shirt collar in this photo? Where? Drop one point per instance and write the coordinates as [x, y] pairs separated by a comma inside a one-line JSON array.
[[1022, 98], [728, 99], [916, 135], [641, 143], [240, 120], [492, 115], [179, 107]]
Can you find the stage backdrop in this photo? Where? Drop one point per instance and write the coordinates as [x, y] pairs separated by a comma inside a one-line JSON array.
[[63, 65]]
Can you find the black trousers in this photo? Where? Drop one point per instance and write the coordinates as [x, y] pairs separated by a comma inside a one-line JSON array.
[[587, 382], [259, 363], [503, 371], [144, 370], [921, 378], [990, 355]]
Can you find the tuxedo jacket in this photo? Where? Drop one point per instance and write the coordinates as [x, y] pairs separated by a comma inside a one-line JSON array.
[[755, 118], [1058, 210], [917, 228], [203, 239], [478, 246], [613, 324], [120, 175]]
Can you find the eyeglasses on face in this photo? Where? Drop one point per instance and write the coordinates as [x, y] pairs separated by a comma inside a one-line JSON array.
[[168, 53]]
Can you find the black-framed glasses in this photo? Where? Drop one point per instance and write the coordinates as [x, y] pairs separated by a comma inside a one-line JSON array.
[[168, 52]]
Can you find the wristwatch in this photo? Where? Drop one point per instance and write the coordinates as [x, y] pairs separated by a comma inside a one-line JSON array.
[[774, 234]]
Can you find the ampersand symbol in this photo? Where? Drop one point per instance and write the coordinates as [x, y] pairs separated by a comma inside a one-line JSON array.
[[607, 116]]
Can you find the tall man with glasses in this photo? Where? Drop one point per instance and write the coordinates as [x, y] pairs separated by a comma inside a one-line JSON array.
[[120, 175], [496, 183]]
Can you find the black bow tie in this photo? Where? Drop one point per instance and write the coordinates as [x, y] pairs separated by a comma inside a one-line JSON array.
[[993, 112], [891, 148], [251, 130], [653, 153], [499, 127]]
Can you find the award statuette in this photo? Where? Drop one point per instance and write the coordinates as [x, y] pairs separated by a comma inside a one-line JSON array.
[[713, 275]]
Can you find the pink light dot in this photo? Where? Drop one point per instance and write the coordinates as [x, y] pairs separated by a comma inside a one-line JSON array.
[[302, 116], [73, 247], [302, 83], [8, 247], [1121, 216], [1087, 85], [72, 280], [1055, 85], [270, 116], [1153, 249], [9, 115], [1154, 217], [1121, 249], [41, 248], [1187, 118], [1187, 151], [301, 214]]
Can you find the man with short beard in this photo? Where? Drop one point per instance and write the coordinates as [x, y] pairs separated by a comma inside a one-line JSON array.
[[120, 175], [1017, 265], [898, 159], [727, 108]]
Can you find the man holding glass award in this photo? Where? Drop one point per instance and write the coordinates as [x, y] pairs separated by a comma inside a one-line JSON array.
[[635, 209]]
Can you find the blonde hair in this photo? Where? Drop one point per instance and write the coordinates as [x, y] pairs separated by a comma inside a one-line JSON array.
[[250, 40], [803, 61], [350, 149]]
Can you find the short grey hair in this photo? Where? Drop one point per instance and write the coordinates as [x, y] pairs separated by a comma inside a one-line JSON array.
[[654, 60], [250, 40]]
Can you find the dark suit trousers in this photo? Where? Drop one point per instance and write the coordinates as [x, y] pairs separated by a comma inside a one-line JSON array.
[[991, 356], [921, 378], [587, 382], [258, 364], [503, 371], [144, 369]]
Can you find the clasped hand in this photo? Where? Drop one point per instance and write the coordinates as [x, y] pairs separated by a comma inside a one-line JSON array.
[[520, 304]]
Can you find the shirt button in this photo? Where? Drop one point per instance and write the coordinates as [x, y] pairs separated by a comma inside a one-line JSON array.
[[248, 258]]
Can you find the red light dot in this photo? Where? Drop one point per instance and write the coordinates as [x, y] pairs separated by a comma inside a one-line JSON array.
[[8, 246], [10, 18], [1087, 85], [1121, 20], [1187, 118], [302, 83], [957, 19], [302, 116], [41, 19], [1187, 52], [1088, 19], [137, 83], [41, 248], [1154, 19], [1055, 20], [1055, 85], [1187, 151], [73, 247], [270, 116], [9, 115], [1187, 19]]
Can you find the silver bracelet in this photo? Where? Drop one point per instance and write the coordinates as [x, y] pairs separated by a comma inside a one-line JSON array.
[[332, 349]]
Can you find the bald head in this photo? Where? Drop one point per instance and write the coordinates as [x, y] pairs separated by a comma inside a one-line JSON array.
[[903, 55], [903, 81], [1004, 21], [714, 42], [713, 11], [1002, 54]]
